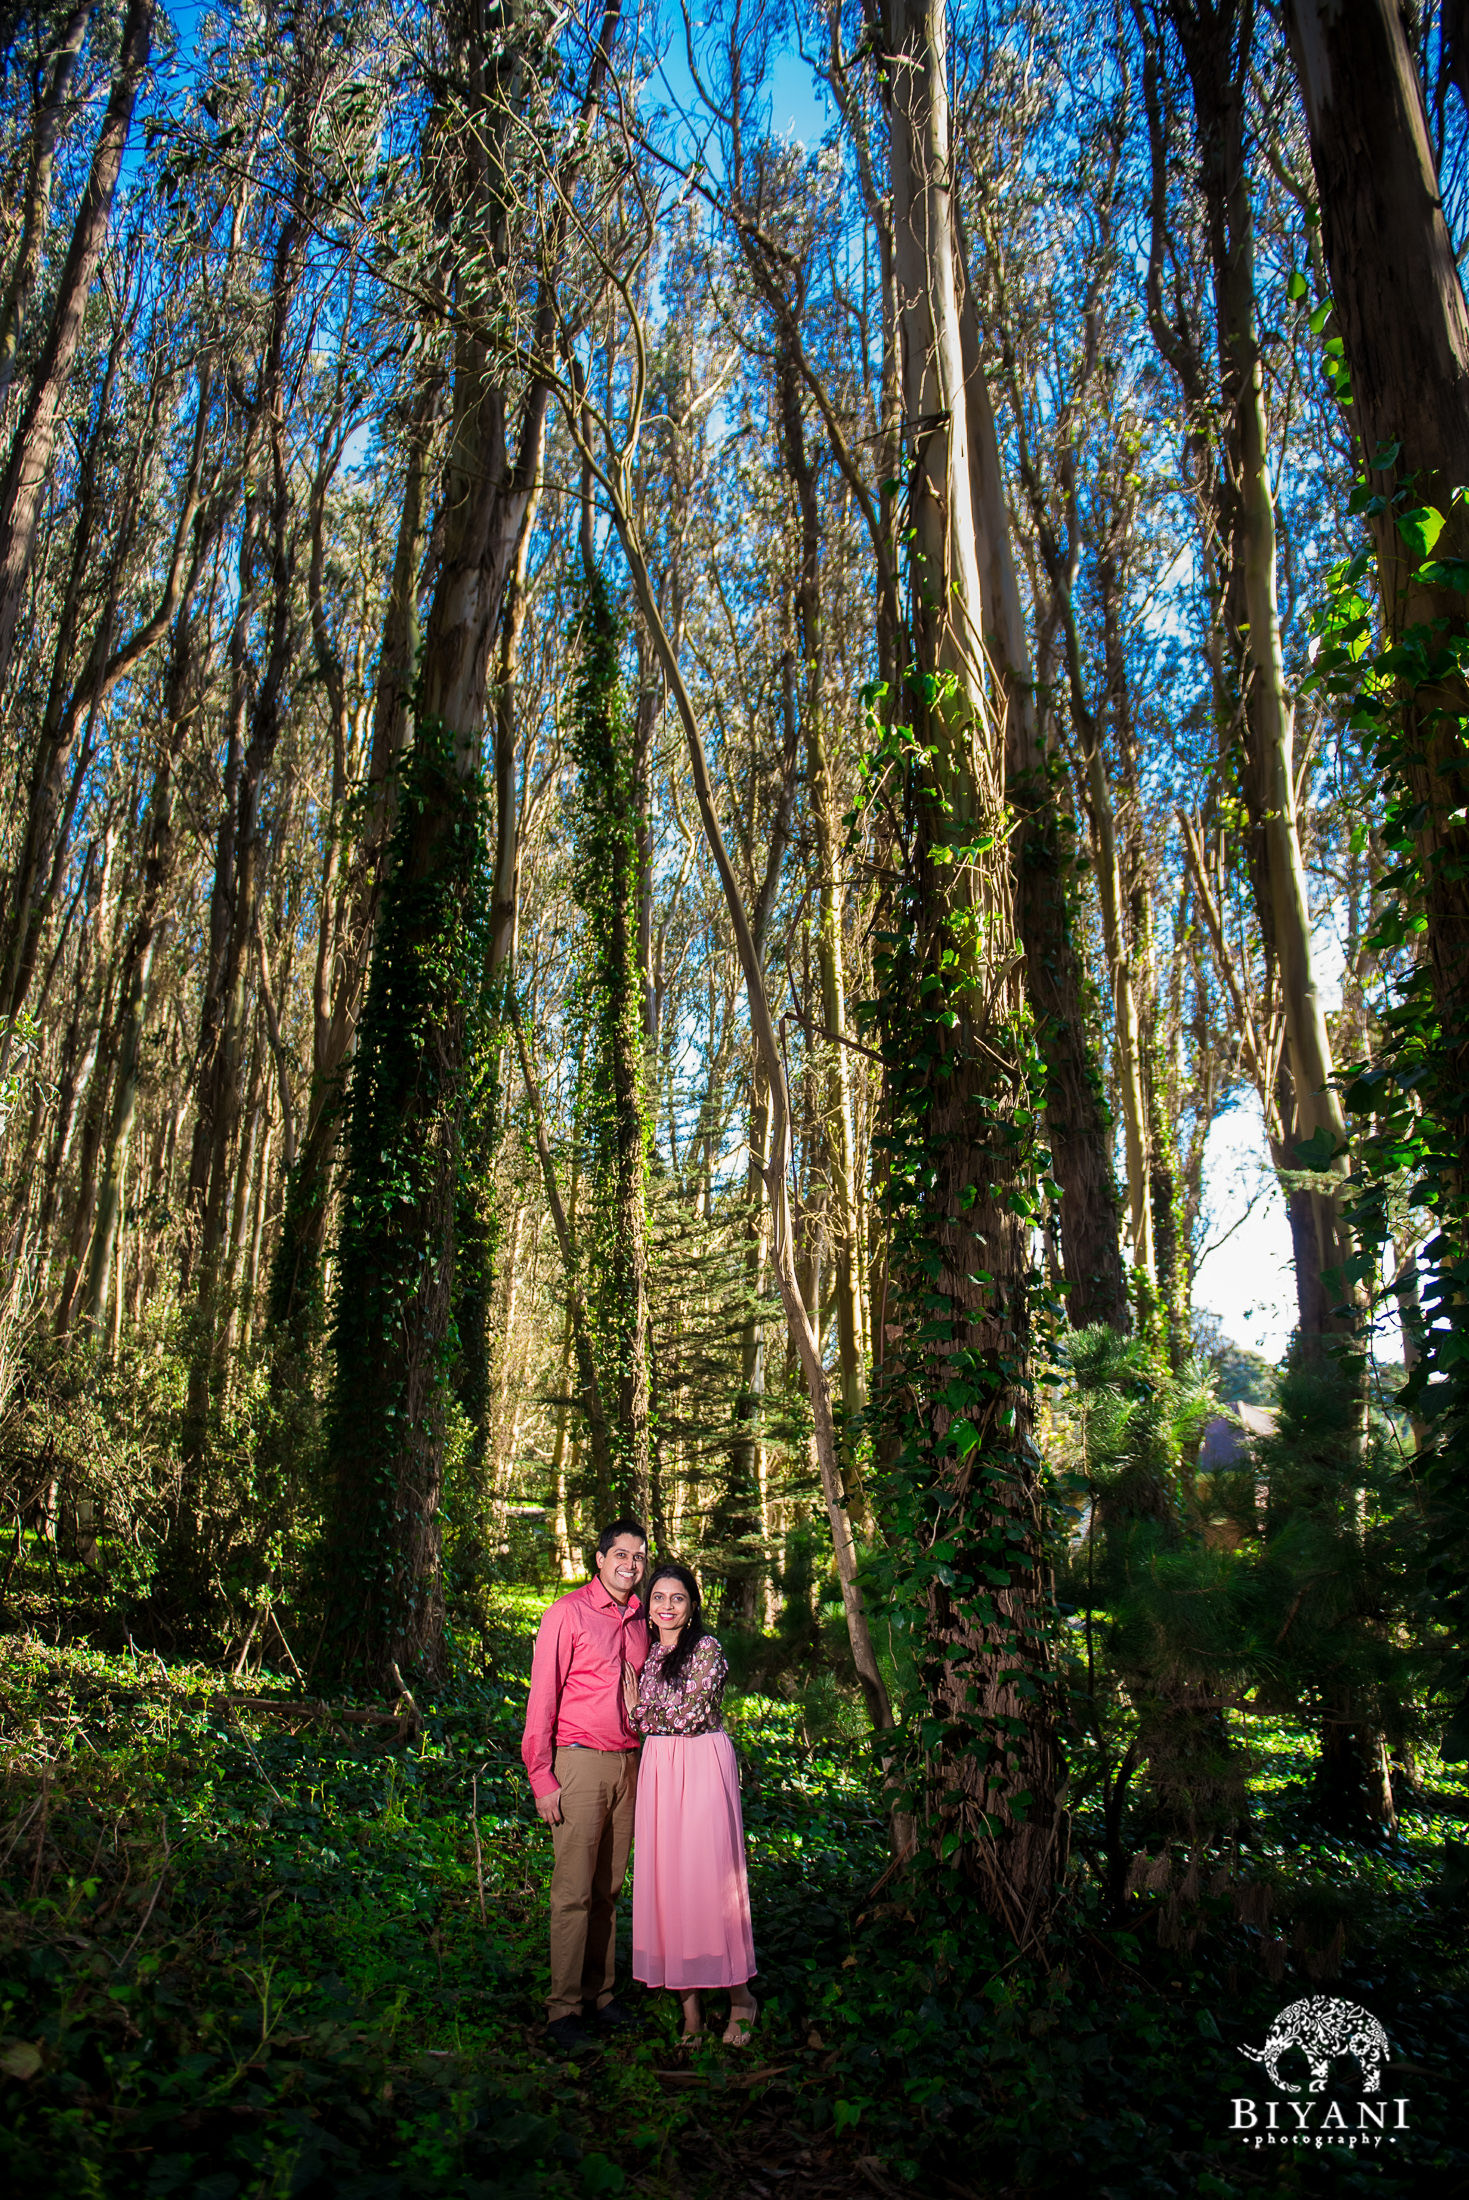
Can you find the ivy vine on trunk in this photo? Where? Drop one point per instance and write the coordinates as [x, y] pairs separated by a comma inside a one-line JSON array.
[[611, 1105], [394, 1341]]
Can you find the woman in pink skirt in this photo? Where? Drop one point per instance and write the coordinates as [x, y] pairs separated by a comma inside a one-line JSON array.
[[690, 1894]]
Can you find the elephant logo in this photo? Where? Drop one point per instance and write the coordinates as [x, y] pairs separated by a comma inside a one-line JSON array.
[[1320, 2026]]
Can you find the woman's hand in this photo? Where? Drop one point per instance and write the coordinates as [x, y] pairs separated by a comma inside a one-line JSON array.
[[629, 1690]]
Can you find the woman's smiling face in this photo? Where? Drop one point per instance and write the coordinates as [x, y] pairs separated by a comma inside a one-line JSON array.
[[668, 1604]]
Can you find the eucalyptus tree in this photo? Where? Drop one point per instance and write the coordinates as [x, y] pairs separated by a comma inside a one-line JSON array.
[[608, 436], [1405, 331], [1402, 323], [1077, 1125], [613, 1101], [1217, 46], [786, 216], [1059, 316], [361, 809], [263, 652], [959, 1105], [138, 489], [396, 1261], [58, 47], [34, 437]]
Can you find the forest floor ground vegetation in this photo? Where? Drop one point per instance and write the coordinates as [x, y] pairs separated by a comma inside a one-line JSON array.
[[256, 1950]]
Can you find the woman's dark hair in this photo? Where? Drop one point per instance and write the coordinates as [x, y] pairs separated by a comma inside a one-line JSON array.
[[693, 1630]]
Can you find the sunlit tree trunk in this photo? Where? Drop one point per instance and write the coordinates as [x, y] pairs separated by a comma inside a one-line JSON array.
[[568, 1241], [95, 1107], [239, 886], [955, 1363], [562, 1476], [82, 676], [837, 1101], [1076, 1115], [1130, 889]]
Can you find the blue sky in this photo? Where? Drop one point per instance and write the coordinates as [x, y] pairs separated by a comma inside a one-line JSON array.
[[1246, 1280]]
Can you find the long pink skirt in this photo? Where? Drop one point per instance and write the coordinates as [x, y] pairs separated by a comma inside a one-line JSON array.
[[690, 1894]]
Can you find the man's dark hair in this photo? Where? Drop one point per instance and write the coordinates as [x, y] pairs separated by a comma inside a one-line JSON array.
[[625, 1526]]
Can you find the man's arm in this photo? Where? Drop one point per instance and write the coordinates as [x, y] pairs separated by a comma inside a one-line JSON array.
[[548, 1669]]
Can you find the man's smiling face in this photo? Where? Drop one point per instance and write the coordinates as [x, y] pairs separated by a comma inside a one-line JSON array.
[[621, 1569]]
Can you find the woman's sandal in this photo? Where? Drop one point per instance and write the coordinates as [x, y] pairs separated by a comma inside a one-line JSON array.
[[738, 2032]]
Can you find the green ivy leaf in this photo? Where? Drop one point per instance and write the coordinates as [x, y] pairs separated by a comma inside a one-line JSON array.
[[1421, 528], [1446, 573]]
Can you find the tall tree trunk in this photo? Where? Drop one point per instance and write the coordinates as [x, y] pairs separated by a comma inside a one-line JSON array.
[[27, 264], [742, 1517], [235, 915], [263, 1184], [137, 966], [478, 1233], [1217, 52], [840, 1150], [1404, 324], [611, 1104], [396, 1268], [345, 940], [955, 1365], [1062, 566], [1077, 1122], [40, 859], [1400, 309], [76, 1065], [739, 1517], [1130, 890], [616, 480], [562, 1477], [84, 1200], [35, 436]]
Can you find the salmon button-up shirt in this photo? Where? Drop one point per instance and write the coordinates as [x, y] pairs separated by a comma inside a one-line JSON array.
[[585, 1640]]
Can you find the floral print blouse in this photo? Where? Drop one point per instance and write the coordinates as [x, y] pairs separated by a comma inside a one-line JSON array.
[[689, 1705]]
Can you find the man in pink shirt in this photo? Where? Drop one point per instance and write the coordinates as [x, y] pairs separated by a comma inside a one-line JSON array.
[[582, 1758]]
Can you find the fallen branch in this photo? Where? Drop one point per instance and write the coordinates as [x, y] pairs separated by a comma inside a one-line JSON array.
[[741, 2084]]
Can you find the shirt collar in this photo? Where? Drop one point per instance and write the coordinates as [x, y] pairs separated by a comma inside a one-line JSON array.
[[598, 1593]]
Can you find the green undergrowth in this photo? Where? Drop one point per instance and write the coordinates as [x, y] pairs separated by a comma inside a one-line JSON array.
[[255, 1952]]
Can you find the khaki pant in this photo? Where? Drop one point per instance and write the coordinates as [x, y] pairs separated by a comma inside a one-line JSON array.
[[598, 1790]]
